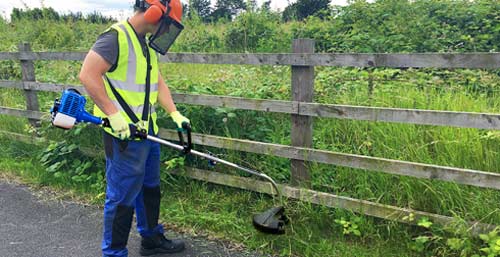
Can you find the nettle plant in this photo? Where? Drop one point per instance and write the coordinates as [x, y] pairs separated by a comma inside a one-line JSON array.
[[458, 242], [492, 240], [349, 227], [66, 160]]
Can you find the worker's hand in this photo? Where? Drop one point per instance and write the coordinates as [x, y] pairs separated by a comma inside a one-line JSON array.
[[179, 119], [119, 125], [141, 125]]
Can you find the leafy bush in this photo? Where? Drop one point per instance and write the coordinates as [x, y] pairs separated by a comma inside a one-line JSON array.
[[50, 14], [66, 161], [250, 30], [200, 37], [407, 26]]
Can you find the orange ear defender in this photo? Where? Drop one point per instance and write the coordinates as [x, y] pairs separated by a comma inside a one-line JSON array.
[[154, 10]]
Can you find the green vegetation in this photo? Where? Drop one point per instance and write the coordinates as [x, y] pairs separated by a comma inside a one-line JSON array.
[[50, 14], [384, 26]]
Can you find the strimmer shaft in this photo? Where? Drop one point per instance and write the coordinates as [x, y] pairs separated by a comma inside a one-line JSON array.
[[207, 156]]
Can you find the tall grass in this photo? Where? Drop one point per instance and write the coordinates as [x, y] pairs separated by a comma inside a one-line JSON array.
[[448, 146]]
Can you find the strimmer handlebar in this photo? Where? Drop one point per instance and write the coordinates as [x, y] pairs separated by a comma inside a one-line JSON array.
[[212, 158], [187, 148]]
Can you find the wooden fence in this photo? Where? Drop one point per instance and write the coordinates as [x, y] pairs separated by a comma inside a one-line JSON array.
[[302, 110]]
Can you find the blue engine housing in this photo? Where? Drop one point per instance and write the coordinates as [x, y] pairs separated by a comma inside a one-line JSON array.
[[72, 103]]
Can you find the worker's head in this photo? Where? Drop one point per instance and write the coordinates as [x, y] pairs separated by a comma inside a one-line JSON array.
[[163, 21]]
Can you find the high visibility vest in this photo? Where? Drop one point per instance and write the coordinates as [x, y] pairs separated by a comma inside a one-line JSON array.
[[129, 77]]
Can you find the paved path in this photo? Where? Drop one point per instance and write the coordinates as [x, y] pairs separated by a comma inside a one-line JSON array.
[[32, 226]]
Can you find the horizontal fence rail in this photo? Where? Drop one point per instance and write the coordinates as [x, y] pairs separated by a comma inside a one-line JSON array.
[[381, 114], [480, 60], [24, 113], [43, 56], [418, 60], [399, 115]]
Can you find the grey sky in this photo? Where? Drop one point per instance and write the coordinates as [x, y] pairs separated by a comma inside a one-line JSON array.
[[115, 8]]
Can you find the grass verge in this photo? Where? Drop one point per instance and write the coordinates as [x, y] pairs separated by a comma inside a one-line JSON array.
[[223, 213]]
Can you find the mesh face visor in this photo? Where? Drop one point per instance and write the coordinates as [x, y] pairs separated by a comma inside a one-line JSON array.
[[166, 34]]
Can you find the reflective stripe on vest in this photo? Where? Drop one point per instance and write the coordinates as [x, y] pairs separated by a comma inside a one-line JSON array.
[[129, 77]]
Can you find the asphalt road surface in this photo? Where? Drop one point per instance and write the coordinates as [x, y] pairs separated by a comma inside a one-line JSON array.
[[32, 225]]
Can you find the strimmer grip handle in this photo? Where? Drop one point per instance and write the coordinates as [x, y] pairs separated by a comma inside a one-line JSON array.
[[105, 123], [187, 147]]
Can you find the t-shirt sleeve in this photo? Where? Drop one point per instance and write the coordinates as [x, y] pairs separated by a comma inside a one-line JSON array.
[[107, 47]]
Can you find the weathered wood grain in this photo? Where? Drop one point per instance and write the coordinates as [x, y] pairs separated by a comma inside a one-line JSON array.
[[35, 115], [28, 73], [413, 60], [410, 116], [237, 103], [9, 56], [53, 56], [302, 126]]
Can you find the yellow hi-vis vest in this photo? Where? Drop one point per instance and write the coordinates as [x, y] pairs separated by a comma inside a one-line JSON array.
[[129, 77]]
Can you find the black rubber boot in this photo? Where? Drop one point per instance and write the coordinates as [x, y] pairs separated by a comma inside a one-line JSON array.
[[160, 244]]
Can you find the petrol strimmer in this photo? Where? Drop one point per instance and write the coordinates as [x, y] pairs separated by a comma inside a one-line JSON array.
[[70, 110]]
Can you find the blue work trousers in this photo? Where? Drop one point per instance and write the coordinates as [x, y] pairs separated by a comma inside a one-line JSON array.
[[133, 182]]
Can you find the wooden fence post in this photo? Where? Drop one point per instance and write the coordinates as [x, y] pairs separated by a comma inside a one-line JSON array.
[[28, 70], [302, 126]]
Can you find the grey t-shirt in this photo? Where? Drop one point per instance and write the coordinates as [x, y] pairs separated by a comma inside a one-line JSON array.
[[107, 47]]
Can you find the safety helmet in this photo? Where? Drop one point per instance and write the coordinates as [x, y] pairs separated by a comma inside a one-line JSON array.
[[154, 10]]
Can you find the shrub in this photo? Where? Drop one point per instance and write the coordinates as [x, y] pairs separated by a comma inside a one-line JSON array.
[[251, 29]]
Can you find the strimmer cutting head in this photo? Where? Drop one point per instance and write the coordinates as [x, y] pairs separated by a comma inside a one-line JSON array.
[[272, 221]]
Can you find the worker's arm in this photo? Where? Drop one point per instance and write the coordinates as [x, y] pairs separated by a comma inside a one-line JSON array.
[[93, 68], [166, 101]]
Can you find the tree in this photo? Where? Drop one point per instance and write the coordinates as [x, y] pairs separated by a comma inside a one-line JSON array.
[[266, 6], [290, 12], [201, 7], [251, 5], [304, 8], [227, 9]]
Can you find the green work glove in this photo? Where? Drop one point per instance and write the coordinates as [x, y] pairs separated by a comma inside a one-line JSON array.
[[119, 125], [142, 125], [178, 119]]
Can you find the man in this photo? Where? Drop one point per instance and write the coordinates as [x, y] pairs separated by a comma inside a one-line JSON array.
[[121, 75]]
